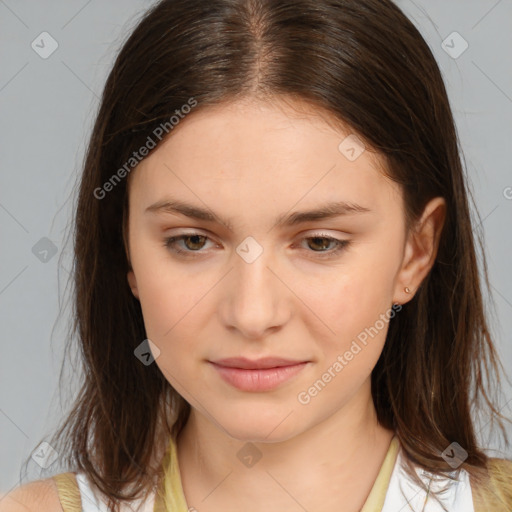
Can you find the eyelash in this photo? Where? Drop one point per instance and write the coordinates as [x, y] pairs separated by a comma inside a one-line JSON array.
[[170, 244]]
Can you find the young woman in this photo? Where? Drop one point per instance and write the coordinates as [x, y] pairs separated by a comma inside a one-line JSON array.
[[276, 284]]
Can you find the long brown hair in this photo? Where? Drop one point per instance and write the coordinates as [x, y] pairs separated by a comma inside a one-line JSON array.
[[366, 65]]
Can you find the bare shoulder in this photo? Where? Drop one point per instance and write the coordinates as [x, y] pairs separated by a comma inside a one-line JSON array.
[[40, 496]]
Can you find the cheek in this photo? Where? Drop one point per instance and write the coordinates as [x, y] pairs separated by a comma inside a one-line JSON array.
[[170, 317], [173, 305], [355, 307], [353, 297], [164, 305]]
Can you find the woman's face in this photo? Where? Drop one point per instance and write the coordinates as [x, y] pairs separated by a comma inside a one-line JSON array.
[[266, 280]]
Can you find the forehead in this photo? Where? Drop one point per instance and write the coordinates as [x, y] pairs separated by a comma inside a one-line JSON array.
[[279, 152]]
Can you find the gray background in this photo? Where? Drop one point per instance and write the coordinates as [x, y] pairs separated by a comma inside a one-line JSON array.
[[47, 109]]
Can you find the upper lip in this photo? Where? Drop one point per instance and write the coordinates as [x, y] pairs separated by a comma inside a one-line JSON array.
[[256, 364]]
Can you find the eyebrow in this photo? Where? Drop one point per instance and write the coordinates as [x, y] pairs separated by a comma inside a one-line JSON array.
[[326, 211]]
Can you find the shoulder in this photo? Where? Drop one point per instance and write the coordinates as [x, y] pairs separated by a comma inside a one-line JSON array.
[[500, 472], [500, 466], [495, 493], [40, 495]]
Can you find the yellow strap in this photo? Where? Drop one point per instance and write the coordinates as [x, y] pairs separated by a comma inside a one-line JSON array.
[[69, 493], [171, 497], [375, 500], [496, 493]]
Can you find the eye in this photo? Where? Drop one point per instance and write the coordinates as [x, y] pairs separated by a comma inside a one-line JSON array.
[[194, 242], [322, 242]]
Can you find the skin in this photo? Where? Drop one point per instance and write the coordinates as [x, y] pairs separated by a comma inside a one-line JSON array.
[[250, 162]]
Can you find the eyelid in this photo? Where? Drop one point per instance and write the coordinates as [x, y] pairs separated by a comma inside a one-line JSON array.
[[341, 244], [311, 233]]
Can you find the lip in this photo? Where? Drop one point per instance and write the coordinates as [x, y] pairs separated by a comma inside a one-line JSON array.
[[256, 364], [257, 375]]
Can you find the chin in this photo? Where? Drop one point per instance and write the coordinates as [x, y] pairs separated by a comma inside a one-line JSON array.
[[259, 425], [254, 434]]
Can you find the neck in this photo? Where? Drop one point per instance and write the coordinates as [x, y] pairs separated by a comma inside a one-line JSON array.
[[336, 451]]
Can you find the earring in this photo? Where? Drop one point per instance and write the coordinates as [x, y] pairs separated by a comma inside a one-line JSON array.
[[407, 290]]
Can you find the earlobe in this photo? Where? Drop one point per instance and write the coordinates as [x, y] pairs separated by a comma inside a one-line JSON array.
[[132, 281], [405, 286]]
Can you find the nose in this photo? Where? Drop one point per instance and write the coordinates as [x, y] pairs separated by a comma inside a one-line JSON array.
[[255, 301]]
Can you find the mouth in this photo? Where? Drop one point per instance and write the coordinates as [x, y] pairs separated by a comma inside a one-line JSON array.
[[257, 375]]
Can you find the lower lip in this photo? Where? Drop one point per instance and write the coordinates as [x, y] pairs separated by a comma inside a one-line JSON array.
[[258, 380]]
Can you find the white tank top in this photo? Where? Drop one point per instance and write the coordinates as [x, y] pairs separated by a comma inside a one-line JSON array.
[[95, 502], [402, 494]]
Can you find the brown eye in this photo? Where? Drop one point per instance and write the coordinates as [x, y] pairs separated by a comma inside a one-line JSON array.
[[190, 243], [320, 245], [196, 241]]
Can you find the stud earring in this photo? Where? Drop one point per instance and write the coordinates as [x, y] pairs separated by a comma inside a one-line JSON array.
[[407, 290]]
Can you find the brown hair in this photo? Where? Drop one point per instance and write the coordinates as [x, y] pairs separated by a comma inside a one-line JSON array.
[[364, 63]]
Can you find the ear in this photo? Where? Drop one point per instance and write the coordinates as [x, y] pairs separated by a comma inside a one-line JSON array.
[[132, 281], [420, 250]]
